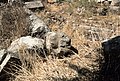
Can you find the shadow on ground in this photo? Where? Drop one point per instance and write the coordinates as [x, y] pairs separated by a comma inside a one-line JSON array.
[[83, 75]]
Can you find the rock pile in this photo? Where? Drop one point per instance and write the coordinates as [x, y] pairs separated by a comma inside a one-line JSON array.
[[41, 40]]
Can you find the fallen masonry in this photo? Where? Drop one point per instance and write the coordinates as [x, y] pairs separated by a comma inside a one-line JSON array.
[[41, 40], [58, 44], [34, 4], [38, 27], [26, 43]]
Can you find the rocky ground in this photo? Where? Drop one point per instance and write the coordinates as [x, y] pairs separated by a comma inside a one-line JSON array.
[[87, 30]]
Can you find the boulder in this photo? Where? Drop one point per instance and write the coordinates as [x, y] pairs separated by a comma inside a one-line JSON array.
[[21, 45], [111, 53], [26, 43], [38, 27], [58, 44], [112, 47]]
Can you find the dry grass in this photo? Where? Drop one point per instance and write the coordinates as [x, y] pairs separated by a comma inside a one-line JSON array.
[[87, 34], [13, 24]]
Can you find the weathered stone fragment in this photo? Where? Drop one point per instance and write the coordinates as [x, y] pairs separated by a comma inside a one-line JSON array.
[[58, 43], [52, 1], [34, 4], [38, 27], [4, 58], [26, 43], [111, 2]]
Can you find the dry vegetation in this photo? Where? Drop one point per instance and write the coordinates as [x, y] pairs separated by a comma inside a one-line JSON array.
[[87, 31], [13, 24]]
